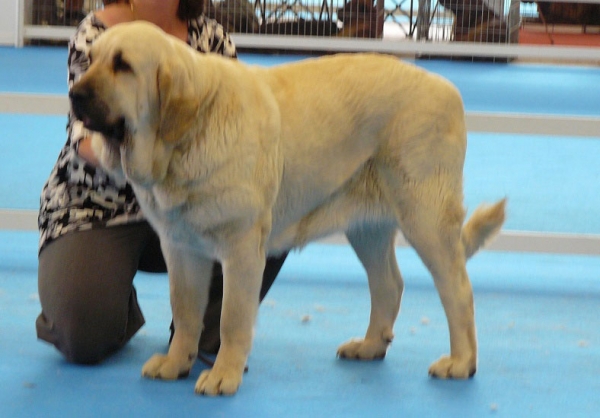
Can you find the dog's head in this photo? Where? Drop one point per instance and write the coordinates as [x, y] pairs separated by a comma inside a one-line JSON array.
[[138, 94]]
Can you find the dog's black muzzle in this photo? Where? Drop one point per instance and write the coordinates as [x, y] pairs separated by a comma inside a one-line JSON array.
[[94, 114]]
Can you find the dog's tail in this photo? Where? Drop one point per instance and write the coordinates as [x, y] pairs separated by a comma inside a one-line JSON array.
[[482, 226]]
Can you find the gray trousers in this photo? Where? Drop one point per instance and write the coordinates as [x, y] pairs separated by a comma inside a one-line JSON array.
[[89, 304]]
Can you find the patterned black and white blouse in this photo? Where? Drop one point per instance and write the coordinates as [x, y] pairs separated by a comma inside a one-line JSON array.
[[79, 196]]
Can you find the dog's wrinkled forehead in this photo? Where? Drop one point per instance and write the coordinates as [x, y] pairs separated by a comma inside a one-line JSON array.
[[135, 41]]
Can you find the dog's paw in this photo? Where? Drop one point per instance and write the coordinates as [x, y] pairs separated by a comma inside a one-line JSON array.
[[163, 367], [449, 367], [363, 350], [218, 382]]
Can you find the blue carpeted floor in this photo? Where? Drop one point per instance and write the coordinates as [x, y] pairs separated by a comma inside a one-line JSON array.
[[539, 336]]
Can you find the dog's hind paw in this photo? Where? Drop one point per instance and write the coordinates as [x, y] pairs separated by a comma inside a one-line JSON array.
[[449, 367], [163, 367], [214, 382], [363, 350]]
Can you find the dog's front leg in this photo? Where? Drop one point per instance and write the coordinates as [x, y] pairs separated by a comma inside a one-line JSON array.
[[243, 268], [189, 281]]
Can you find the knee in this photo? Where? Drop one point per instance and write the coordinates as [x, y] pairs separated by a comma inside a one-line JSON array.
[[84, 345], [81, 340]]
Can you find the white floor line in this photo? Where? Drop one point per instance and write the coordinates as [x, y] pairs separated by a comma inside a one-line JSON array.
[[34, 104], [509, 241]]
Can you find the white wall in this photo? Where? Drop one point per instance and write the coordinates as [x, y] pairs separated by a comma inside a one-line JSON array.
[[8, 22]]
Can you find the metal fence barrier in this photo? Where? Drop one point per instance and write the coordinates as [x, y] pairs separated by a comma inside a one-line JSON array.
[[458, 28]]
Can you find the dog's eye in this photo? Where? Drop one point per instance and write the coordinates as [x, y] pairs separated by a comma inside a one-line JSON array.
[[120, 65]]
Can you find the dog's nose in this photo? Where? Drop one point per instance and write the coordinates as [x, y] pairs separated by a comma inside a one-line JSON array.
[[80, 98]]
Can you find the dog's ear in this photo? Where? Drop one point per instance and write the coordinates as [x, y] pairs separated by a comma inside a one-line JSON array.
[[178, 108]]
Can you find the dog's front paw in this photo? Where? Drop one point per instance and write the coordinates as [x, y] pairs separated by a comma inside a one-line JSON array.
[[163, 367], [363, 349], [219, 382], [449, 367]]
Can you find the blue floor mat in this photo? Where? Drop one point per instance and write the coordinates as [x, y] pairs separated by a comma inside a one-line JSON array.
[[537, 328]]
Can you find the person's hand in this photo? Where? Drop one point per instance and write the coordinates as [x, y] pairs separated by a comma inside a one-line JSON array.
[[87, 153]]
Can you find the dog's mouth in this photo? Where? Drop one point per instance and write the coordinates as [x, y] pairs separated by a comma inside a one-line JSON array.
[[114, 133]]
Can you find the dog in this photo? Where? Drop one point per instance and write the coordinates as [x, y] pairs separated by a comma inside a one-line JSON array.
[[232, 162]]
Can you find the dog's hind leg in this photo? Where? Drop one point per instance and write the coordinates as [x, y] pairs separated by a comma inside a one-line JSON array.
[[374, 246], [431, 220]]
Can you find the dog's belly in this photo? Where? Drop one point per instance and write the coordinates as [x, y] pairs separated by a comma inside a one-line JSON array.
[[325, 170], [358, 201], [318, 224]]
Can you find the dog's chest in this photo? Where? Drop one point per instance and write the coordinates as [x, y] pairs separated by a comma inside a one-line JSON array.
[[169, 212], [200, 218]]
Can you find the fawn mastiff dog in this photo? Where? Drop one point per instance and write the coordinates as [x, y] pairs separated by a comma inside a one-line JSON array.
[[232, 162]]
